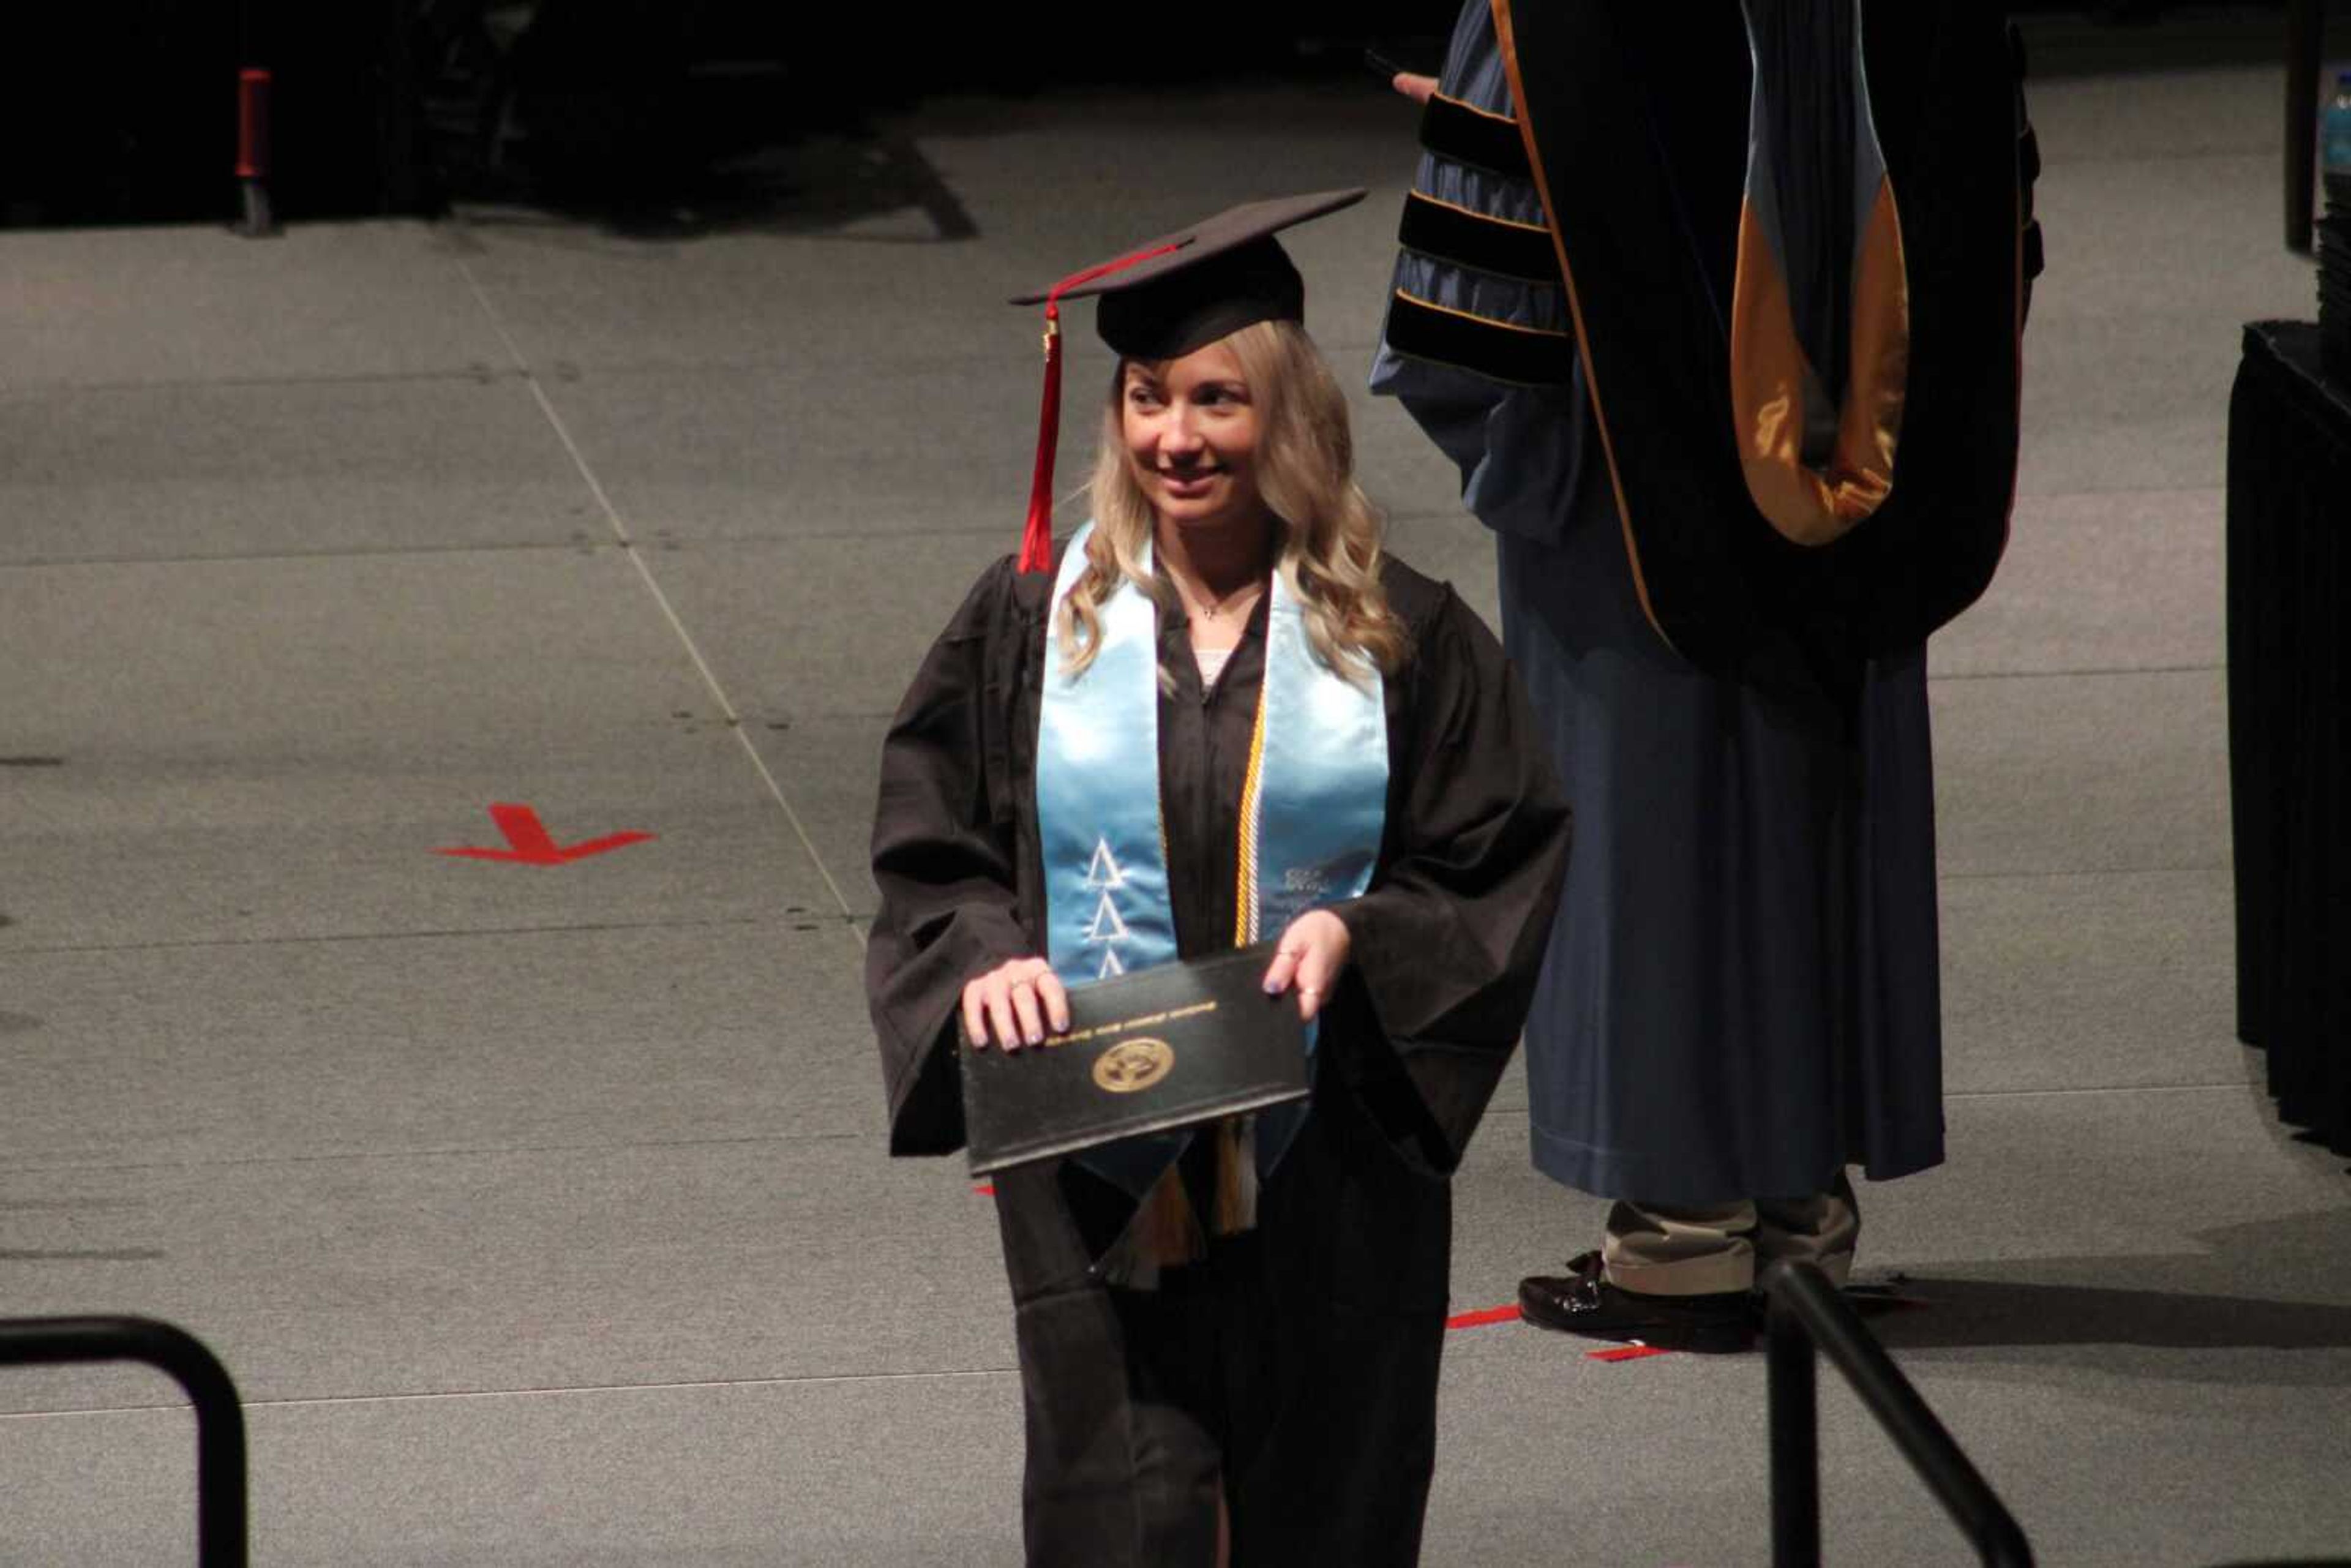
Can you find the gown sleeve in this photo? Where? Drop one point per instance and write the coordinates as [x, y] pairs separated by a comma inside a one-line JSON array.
[[1448, 940], [1520, 448], [945, 848]]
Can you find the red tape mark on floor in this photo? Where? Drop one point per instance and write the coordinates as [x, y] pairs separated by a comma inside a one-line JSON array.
[[1488, 1315], [1625, 1353], [529, 844], [984, 1188]]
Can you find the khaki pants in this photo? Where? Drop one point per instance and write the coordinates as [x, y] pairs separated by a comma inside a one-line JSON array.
[[1665, 1249]]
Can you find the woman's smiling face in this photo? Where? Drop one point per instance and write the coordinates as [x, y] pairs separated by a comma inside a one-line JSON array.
[[1191, 431]]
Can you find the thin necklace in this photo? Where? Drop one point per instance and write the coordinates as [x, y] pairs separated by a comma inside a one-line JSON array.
[[1204, 611]]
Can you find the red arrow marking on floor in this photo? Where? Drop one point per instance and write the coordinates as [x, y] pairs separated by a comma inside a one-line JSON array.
[[1625, 1353], [1479, 1319], [529, 844], [984, 1189]]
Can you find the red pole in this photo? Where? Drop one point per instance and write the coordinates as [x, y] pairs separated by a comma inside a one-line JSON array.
[[252, 124], [253, 150]]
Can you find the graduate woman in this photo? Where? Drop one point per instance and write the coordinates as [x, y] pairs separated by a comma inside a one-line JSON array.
[[1221, 705]]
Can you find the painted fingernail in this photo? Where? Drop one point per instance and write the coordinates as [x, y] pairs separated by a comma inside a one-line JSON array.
[[1035, 1038]]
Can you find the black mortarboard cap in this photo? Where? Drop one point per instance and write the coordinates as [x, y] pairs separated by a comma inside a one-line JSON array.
[[1165, 299], [1185, 290]]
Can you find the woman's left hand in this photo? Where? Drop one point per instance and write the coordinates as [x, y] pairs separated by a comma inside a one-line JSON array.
[[1311, 955]]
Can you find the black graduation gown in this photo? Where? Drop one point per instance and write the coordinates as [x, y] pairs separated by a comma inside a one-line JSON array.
[[1301, 1363]]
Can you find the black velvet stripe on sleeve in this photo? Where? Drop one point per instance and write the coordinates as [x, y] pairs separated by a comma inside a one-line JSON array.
[[1488, 244], [1451, 128], [1522, 355]]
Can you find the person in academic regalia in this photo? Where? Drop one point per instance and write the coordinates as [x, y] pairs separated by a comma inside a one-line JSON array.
[[1716, 308], [1228, 1352]]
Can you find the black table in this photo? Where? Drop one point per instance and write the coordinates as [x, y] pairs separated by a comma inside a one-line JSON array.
[[2289, 551]]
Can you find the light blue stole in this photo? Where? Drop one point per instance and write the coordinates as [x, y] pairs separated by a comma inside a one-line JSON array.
[[1313, 807]]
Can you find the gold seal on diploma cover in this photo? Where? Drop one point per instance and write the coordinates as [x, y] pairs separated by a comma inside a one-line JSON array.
[[1133, 1064]]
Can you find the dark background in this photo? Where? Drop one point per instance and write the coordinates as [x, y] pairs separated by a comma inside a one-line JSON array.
[[122, 112]]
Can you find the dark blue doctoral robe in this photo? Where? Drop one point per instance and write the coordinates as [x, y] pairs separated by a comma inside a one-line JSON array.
[[1741, 994]]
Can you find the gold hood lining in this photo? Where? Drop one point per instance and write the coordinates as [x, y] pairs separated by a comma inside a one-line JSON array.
[[1769, 373]]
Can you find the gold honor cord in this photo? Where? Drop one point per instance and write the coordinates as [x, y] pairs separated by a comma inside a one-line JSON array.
[[1245, 906], [1227, 1200], [1770, 378]]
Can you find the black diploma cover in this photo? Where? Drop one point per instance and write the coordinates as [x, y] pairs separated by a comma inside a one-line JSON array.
[[1152, 1051]]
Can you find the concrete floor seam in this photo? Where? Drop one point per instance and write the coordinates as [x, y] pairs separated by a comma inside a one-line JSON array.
[[620, 529], [2063, 674], [2237, 1087], [479, 374], [356, 552], [819, 1379], [715, 923], [357, 1156], [2199, 869]]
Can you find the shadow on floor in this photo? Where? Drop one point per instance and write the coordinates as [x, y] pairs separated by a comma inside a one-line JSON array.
[[2125, 36], [2193, 1300], [847, 185], [1976, 1313]]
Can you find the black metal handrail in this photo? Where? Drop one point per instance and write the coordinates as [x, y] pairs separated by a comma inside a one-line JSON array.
[[1806, 1313], [220, 1420]]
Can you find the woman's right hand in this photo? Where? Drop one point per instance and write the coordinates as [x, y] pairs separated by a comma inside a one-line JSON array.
[[1015, 1003]]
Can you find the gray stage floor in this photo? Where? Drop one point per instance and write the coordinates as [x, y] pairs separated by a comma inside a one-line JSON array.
[[542, 1212]]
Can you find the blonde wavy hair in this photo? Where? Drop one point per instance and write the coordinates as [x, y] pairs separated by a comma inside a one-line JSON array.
[[1329, 554]]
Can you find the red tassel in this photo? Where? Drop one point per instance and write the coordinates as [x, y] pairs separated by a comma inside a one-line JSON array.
[[1036, 536]]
